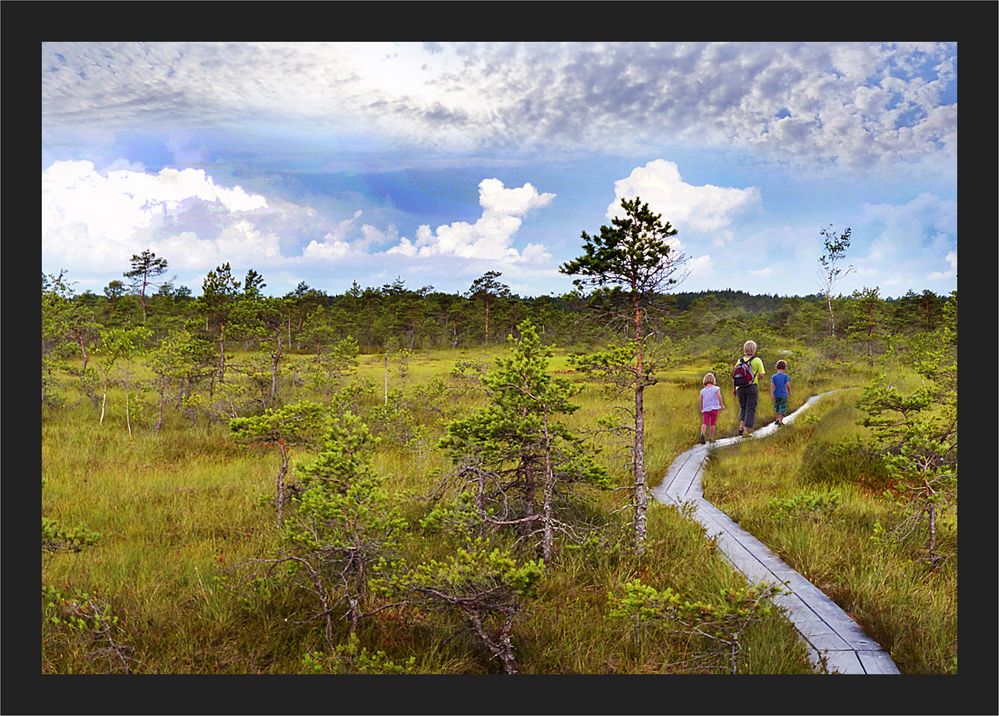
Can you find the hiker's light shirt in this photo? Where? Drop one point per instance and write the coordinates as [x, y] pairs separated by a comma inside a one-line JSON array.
[[710, 398]]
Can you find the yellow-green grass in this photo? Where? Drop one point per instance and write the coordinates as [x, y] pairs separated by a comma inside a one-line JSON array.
[[886, 585], [183, 511]]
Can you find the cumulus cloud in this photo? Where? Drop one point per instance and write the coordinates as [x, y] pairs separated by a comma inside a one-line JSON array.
[[336, 245], [701, 267], [705, 208], [491, 236], [93, 219]]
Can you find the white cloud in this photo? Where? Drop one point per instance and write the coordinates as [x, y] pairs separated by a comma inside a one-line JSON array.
[[327, 249], [240, 243], [491, 236], [925, 221], [336, 245], [851, 102], [342, 228], [92, 220], [951, 259], [701, 267], [687, 207], [496, 199], [763, 272]]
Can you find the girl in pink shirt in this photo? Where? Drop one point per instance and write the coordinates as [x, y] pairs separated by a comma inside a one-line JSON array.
[[709, 402]]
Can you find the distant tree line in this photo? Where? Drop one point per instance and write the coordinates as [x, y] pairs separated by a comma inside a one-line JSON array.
[[234, 310]]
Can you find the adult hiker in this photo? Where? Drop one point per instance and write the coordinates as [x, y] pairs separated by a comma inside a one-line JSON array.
[[746, 378]]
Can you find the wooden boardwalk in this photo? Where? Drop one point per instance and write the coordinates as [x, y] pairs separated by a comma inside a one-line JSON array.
[[829, 632]]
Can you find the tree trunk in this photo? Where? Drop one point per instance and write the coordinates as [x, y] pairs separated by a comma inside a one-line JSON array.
[[548, 539], [324, 600], [641, 493], [221, 353], [641, 496], [142, 298], [502, 648], [353, 606], [487, 321], [280, 482], [159, 415], [506, 648], [128, 418], [832, 319], [274, 367], [386, 379], [480, 490], [83, 350], [104, 402]]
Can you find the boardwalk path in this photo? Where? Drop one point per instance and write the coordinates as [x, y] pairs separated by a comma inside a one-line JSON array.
[[825, 627]]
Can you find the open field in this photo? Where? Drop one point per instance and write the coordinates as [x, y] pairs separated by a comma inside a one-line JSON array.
[[182, 511]]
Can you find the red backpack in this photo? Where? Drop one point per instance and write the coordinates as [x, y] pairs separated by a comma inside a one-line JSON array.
[[742, 375]]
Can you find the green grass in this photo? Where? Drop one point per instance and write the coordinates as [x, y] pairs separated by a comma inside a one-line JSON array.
[[779, 489], [183, 512]]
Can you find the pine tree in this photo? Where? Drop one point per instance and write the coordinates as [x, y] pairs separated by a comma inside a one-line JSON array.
[[917, 434], [516, 444], [344, 523], [218, 292], [632, 258], [145, 267], [283, 427], [487, 289]]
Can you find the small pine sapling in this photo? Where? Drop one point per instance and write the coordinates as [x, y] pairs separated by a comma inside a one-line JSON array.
[[515, 445], [487, 586], [343, 524], [283, 427], [716, 627]]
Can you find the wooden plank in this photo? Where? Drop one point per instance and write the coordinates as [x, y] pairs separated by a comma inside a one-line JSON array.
[[877, 662], [844, 662]]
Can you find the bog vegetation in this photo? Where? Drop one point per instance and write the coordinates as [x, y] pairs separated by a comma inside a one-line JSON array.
[[399, 480]]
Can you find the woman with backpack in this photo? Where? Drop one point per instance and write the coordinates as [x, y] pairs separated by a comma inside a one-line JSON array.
[[746, 378]]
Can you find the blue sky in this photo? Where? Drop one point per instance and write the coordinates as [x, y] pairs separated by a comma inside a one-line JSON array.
[[334, 162]]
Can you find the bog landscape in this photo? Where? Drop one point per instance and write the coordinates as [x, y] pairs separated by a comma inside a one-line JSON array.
[[402, 481], [506, 358]]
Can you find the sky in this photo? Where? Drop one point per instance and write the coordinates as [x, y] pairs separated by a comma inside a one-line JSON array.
[[436, 162]]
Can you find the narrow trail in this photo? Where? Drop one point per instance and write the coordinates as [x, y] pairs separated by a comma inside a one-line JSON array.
[[828, 631]]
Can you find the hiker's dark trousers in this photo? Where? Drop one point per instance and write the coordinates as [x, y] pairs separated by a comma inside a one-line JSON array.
[[748, 396]]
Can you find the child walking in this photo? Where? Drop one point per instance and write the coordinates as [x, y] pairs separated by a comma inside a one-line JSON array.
[[709, 402], [780, 390]]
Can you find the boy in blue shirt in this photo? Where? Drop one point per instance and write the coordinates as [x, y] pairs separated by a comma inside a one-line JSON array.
[[780, 390]]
